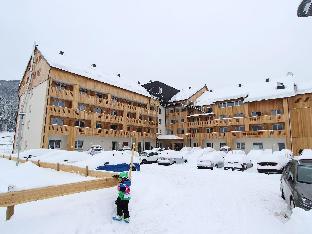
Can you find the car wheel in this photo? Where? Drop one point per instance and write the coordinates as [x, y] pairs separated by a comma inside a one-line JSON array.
[[217, 166], [283, 195], [144, 161]]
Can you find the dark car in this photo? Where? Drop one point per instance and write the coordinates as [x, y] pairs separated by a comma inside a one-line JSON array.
[[296, 184]]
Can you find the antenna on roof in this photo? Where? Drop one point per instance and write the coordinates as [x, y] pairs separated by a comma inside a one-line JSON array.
[[139, 82], [267, 80], [61, 52], [239, 85], [118, 74], [93, 65]]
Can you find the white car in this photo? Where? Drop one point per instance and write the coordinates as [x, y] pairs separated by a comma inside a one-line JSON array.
[[237, 160], [169, 157], [211, 160], [274, 163], [95, 149], [148, 156]]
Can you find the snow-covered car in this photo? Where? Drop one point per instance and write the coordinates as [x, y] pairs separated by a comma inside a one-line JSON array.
[[225, 149], [274, 163], [125, 148], [237, 160], [255, 155], [148, 156], [211, 159], [95, 149], [169, 157]]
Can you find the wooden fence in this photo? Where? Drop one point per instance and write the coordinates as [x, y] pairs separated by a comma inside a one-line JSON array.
[[10, 199]]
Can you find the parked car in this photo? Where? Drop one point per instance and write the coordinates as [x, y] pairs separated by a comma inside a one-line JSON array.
[[274, 163], [148, 156], [237, 160], [169, 157], [296, 184], [211, 159], [125, 148], [95, 149], [225, 149], [255, 155]]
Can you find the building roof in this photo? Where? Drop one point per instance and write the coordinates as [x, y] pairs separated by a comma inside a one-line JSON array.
[[186, 93], [256, 91], [78, 66]]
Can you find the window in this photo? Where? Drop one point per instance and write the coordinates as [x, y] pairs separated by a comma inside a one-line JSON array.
[[195, 144], [59, 103], [209, 144], [114, 127], [240, 128], [83, 91], [78, 145], [172, 121], [278, 127], [223, 129], [54, 144], [114, 113], [281, 146], [255, 113], [159, 121], [222, 116], [240, 114], [277, 112], [182, 120], [159, 111], [114, 99], [147, 145], [222, 144], [209, 130], [257, 146], [60, 86], [80, 123], [230, 104], [57, 121], [256, 127], [97, 110], [240, 145], [114, 145], [98, 125], [238, 103], [81, 107]]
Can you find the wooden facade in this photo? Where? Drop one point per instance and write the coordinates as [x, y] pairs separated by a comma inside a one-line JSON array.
[[80, 106]]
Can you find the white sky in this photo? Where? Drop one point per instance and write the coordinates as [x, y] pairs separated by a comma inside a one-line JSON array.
[[178, 42]]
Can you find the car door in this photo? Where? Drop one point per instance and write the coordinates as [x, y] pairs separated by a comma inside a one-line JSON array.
[[284, 184], [289, 181]]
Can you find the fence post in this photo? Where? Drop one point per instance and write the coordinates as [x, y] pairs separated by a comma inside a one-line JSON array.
[[58, 167], [87, 170], [9, 212], [38, 163]]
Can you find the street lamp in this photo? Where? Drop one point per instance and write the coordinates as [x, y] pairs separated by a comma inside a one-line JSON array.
[[19, 132], [188, 134]]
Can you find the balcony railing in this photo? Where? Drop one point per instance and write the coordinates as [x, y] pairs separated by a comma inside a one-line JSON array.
[[61, 93], [59, 129]]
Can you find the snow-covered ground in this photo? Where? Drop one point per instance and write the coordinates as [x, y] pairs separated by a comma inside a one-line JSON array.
[[28, 175], [174, 199], [6, 142]]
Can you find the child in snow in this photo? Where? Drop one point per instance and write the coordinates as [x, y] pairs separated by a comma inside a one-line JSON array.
[[123, 199]]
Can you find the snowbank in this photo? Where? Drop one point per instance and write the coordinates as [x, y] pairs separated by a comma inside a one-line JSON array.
[[28, 175]]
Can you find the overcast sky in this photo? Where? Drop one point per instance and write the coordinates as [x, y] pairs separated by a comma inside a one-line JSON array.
[[178, 42]]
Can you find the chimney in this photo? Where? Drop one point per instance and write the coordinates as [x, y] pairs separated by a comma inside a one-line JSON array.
[[139, 82], [295, 87], [190, 87], [210, 91], [61, 52], [267, 80], [280, 85], [93, 65], [118, 74], [239, 85]]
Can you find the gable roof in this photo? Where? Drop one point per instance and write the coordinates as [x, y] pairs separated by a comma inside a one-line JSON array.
[[77, 66], [256, 91]]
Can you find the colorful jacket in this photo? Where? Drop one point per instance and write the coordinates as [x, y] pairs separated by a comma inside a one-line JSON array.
[[124, 190]]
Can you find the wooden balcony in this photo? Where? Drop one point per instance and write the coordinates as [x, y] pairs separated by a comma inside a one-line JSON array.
[[61, 111], [267, 119], [216, 122], [61, 93], [59, 130]]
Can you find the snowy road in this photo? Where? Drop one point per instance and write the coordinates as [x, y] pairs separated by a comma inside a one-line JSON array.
[[175, 199]]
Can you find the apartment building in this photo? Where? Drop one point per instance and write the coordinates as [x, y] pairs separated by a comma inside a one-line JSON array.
[[63, 106], [262, 115]]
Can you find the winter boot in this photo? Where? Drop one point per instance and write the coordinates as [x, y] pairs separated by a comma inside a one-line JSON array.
[[117, 218]]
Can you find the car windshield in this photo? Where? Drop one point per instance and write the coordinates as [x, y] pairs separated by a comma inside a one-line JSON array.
[[305, 174]]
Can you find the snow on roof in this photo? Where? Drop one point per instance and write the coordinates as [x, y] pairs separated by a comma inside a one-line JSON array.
[[186, 93], [78, 66], [255, 91], [169, 137]]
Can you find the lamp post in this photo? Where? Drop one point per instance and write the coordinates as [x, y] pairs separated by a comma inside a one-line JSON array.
[[19, 132], [189, 135]]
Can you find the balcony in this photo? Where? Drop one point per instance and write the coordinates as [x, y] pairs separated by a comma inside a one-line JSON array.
[[59, 129], [61, 93], [267, 119]]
